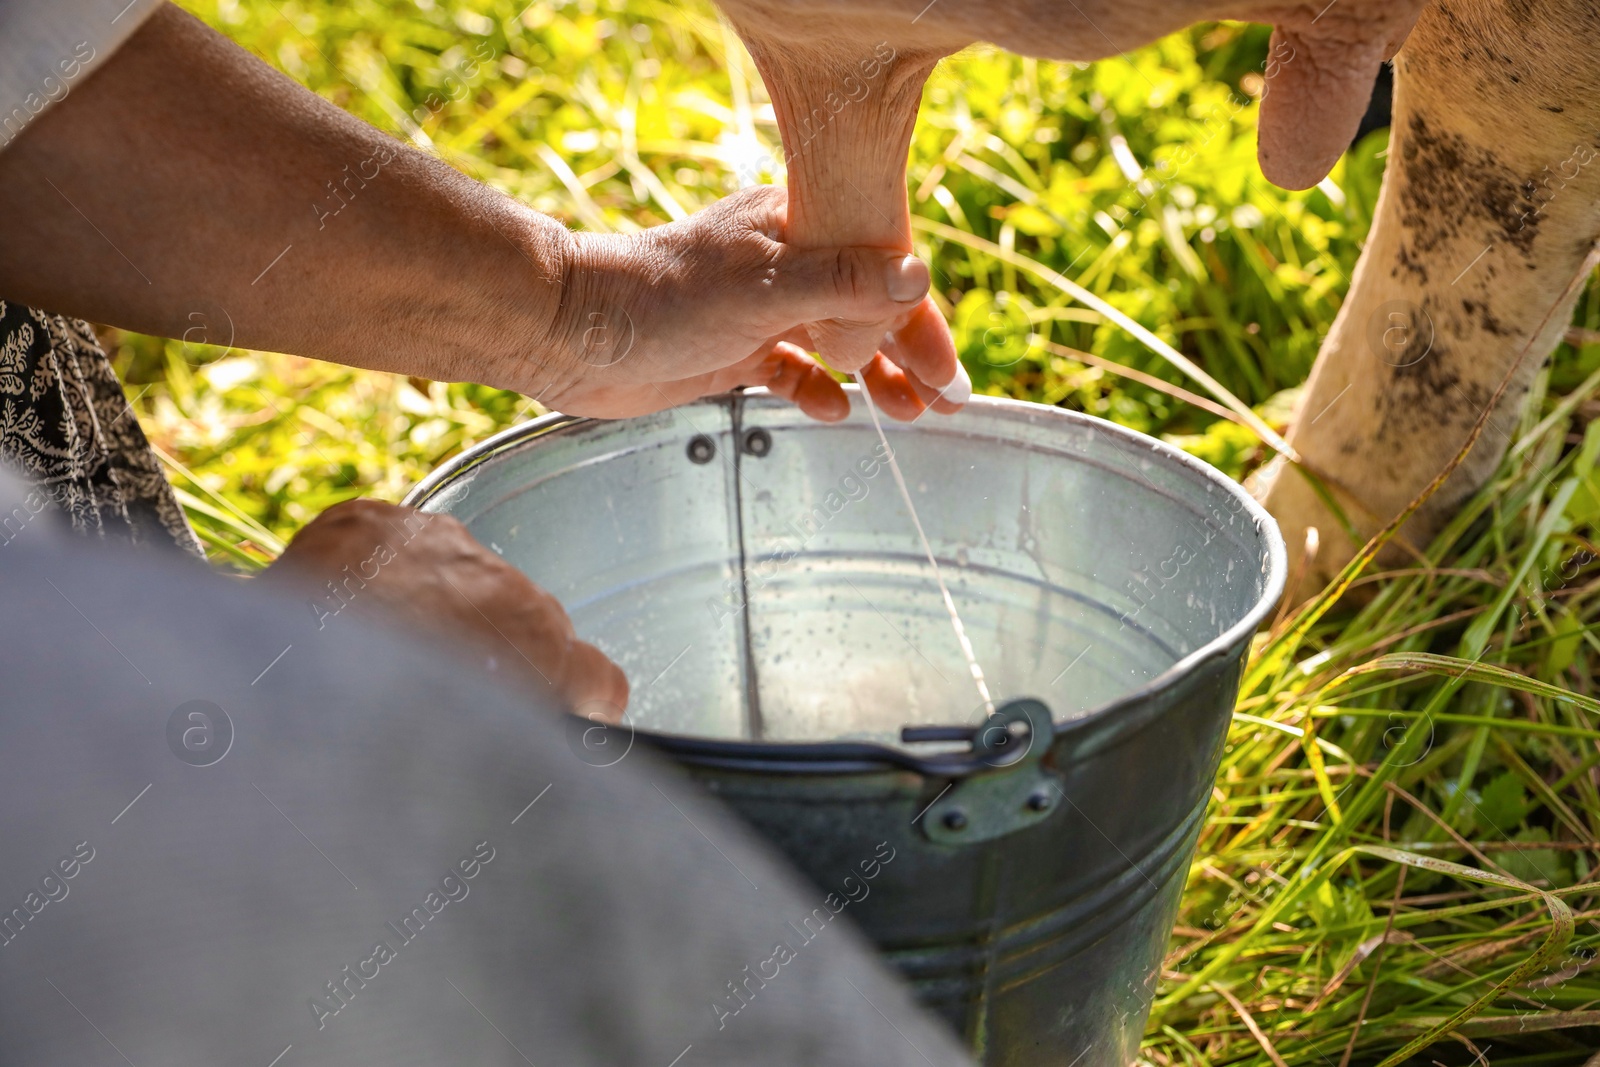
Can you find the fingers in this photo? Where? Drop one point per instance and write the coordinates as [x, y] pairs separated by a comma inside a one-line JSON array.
[[592, 686], [925, 349], [525, 631], [923, 345], [792, 374], [894, 392], [847, 296], [782, 367], [898, 375], [400, 567], [344, 535]]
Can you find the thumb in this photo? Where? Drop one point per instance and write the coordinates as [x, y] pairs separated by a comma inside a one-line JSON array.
[[1318, 85], [848, 297]]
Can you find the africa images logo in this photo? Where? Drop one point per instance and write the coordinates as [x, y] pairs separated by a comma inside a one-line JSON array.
[[199, 733]]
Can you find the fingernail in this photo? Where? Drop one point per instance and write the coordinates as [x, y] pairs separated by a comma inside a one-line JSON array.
[[907, 279], [959, 391]]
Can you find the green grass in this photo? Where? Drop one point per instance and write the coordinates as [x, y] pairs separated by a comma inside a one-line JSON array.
[[1300, 941]]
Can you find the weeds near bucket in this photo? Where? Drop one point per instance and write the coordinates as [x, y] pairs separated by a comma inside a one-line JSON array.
[[1401, 860], [1402, 847], [1477, 981]]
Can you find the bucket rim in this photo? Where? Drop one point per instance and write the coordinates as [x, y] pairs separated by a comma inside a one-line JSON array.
[[858, 757]]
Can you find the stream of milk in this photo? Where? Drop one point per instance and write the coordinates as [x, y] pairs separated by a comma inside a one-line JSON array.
[[944, 591]]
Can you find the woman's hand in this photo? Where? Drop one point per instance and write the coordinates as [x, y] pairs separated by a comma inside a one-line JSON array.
[[396, 566], [697, 307]]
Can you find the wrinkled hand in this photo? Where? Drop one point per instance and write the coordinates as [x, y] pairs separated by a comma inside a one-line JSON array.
[[697, 307], [395, 565]]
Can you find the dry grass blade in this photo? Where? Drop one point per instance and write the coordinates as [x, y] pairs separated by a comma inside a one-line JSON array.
[[1453, 667], [1357, 958], [1175, 391], [1251, 1025], [1385, 939], [1446, 827]]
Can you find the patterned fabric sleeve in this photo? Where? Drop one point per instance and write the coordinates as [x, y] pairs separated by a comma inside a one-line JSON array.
[[66, 428]]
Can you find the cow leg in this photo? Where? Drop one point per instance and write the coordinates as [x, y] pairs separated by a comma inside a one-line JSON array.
[[1487, 211]]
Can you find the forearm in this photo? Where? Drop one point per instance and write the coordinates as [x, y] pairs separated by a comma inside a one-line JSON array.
[[187, 184]]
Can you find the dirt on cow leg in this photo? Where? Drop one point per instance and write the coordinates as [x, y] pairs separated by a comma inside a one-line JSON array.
[[1490, 205], [845, 110]]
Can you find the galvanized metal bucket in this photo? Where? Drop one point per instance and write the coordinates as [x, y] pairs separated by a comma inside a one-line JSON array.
[[759, 578]]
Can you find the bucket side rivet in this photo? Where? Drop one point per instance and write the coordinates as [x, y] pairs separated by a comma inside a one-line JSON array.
[[758, 442], [1039, 801], [955, 819], [702, 449]]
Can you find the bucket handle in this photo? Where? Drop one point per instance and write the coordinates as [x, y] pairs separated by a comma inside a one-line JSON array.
[[999, 743], [1016, 794]]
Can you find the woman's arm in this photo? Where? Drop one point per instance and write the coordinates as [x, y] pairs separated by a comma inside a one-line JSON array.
[[185, 182], [187, 175]]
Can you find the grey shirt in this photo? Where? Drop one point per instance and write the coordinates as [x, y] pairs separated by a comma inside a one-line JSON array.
[[232, 838]]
